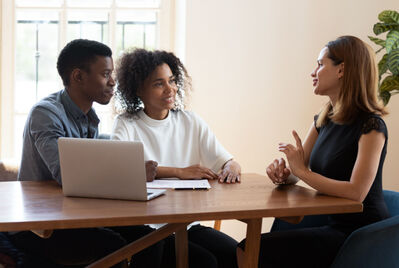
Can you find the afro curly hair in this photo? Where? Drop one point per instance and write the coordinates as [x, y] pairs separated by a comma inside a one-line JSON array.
[[136, 65]]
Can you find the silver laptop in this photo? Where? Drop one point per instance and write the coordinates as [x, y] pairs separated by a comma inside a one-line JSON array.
[[104, 169]]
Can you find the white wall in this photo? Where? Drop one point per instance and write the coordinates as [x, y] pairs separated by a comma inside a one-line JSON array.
[[251, 62]]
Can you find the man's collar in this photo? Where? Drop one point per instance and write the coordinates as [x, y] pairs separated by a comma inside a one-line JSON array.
[[76, 112]]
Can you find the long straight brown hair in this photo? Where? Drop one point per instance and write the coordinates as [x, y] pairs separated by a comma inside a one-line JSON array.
[[360, 82]]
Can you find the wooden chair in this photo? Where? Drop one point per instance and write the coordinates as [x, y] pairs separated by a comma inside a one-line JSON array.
[[8, 171], [9, 256]]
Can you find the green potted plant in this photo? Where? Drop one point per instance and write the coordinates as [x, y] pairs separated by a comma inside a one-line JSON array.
[[388, 66]]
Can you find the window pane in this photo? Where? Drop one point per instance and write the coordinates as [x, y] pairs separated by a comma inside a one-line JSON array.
[[88, 25], [136, 29], [89, 3], [137, 16], [40, 3], [137, 3], [150, 37], [35, 57]]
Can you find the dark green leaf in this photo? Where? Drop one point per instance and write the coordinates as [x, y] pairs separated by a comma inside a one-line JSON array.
[[377, 41], [389, 16], [390, 83], [384, 27], [379, 50], [385, 96], [382, 66], [393, 61], [392, 41]]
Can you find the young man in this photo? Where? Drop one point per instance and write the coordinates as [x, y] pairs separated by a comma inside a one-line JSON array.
[[86, 69]]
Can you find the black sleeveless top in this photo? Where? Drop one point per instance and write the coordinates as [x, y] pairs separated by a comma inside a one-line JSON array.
[[334, 156]]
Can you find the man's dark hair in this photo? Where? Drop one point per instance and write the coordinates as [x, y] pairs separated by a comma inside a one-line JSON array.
[[79, 53]]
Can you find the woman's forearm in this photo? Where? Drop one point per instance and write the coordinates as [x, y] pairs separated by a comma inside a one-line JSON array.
[[328, 186], [168, 172]]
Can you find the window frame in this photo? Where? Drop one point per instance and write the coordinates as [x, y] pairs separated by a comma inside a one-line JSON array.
[[166, 31]]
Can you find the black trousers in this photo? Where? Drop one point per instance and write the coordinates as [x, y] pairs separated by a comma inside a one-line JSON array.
[[307, 247], [207, 248], [80, 247]]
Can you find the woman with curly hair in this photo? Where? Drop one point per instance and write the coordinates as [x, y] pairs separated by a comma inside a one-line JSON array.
[[152, 86]]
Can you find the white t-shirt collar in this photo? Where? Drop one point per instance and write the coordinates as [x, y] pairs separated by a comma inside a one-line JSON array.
[[153, 122]]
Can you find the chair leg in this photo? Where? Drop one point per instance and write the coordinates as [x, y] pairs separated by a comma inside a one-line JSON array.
[[217, 225]]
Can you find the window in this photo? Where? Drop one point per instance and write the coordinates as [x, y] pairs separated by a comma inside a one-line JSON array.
[[33, 33]]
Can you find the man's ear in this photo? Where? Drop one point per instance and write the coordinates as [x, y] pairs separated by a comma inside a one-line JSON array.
[[341, 70], [77, 75]]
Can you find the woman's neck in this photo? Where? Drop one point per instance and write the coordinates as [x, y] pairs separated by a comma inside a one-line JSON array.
[[157, 115]]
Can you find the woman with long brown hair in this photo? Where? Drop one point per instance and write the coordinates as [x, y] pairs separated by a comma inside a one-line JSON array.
[[342, 155]]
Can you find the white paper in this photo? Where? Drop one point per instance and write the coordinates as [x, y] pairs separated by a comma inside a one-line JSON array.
[[179, 184]]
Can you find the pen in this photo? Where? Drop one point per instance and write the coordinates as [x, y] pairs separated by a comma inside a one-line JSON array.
[[189, 188]]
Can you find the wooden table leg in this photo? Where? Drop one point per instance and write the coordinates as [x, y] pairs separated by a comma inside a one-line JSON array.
[[217, 225], [181, 244], [251, 256], [127, 251]]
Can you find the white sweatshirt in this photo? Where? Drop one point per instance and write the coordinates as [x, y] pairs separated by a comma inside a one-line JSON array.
[[180, 140]]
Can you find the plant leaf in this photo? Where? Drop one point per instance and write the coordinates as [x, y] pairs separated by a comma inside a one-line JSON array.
[[377, 41], [385, 96], [379, 50], [389, 16], [390, 83], [382, 66], [392, 41], [393, 61], [384, 27]]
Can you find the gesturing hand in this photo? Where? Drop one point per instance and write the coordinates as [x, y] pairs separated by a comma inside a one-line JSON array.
[[151, 170], [278, 172], [295, 155], [231, 172], [196, 172]]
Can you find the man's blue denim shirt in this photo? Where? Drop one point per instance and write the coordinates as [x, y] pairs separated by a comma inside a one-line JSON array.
[[51, 118]]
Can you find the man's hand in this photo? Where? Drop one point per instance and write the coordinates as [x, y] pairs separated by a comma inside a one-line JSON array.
[[151, 170]]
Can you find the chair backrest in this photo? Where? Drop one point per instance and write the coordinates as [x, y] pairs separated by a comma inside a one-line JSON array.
[[392, 201], [374, 245], [8, 172]]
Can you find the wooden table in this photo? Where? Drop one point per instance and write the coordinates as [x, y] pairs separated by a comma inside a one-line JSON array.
[[41, 205]]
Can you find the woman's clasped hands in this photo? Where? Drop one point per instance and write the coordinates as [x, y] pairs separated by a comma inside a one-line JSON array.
[[278, 171]]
